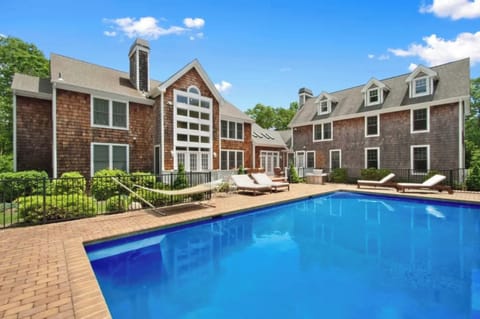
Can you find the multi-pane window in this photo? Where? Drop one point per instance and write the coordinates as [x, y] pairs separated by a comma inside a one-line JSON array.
[[231, 159], [108, 113], [300, 159], [372, 158], [109, 156], [311, 159], [335, 159], [322, 131], [193, 158], [420, 159], [421, 86], [372, 125], [420, 120], [373, 97], [324, 107], [231, 130]]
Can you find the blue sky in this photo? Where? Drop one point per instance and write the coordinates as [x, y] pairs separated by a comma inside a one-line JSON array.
[[258, 51]]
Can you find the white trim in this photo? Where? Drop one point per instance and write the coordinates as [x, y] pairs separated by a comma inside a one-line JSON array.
[[392, 109], [314, 158], [162, 127], [37, 95], [110, 157], [14, 106], [367, 96], [110, 113], [378, 126], [412, 147], [461, 124], [411, 120], [428, 87], [111, 95], [330, 157], [228, 131], [429, 72], [228, 158], [54, 130], [366, 157], [322, 139], [297, 153]]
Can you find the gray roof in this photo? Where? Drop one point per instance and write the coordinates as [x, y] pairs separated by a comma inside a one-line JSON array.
[[229, 110], [453, 81], [32, 86], [264, 137], [286, 137], [91, 76]]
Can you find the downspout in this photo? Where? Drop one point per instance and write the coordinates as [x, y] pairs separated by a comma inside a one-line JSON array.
[[162, 147], [254, 155], [14, 131], [461, 127], [54, 129]]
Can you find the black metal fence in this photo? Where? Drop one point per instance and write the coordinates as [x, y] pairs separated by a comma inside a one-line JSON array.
[[43, 200]]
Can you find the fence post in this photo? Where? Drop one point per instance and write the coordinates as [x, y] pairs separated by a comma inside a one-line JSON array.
[[451, 178], [44, 194]]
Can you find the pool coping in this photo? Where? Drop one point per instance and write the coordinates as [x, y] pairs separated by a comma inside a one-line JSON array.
[[80, 295]]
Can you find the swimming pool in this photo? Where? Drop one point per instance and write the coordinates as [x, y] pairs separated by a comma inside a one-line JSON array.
[[340, 255]]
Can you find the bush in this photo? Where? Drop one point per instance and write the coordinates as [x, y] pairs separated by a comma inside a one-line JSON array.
[[293, 175], [156, 199], [69, 183], [430, 174], [181, 180], [118, 203], [23, 183], [473, 178], [143, 179], [104, 187], [56, 207], [241, 170], [374, 174], [6, 163], [339, 175]]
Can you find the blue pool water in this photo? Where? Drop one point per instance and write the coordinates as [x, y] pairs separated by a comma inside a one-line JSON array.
[[341, 255]]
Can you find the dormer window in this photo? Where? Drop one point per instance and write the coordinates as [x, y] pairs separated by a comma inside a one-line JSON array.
[[324, 103], [421, 81], [373, 92]]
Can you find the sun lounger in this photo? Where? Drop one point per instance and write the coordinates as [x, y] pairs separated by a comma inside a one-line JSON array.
[[263, 179], [384, 182], [432, 183], [245, 183]]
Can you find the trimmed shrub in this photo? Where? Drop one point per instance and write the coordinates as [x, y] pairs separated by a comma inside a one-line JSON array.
[[374, 174], [293, 175], [23, 183], [104, 187], [143, 179], [56, 207], [241, 170], [118, 203], [153, 198], [69, 183], [339, 175], [181, 180]]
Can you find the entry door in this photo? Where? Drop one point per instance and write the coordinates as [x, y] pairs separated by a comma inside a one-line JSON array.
[[269, 160]]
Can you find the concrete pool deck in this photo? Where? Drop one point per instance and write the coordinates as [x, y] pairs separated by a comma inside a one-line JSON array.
[[45, 272]]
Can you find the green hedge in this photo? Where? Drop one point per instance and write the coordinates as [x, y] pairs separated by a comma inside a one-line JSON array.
[[374, 174], [118, 203], [181, 179], [69, 183], [143, 179], [103, 187], [293, 175], [22, 183], [339, 175], [56, 207]]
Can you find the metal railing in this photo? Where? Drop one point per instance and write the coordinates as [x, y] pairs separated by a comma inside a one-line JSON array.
[[44, 200]]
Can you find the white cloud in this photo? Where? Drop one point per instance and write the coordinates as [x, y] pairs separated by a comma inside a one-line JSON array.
[[371, 56], [2, 35], [194, 23], [196, 36], [412, 67], [110, 33], [438, 51], [455, 9], [145, 27], [380, 57], [223, 86]]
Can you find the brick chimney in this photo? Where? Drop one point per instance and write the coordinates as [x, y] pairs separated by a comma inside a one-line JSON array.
[[303, 95], [139, 64]]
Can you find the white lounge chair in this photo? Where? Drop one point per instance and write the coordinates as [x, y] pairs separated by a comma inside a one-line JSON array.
[[262, 178], [432, 183], [245, 183], [384, 182]]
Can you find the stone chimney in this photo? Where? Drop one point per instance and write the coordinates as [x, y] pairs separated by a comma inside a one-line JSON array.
[[303, 95], [139, 64]]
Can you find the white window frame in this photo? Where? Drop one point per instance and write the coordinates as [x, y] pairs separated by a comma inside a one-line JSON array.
[[413, 85], [367, 97], [378, 126], [329, 106], [110, 113], [236, 132], [330, 158], [412, 147], [314, 159], [323, 131], [228, 158], [412, 111], [366, 156], [300, 153], [110, 158]]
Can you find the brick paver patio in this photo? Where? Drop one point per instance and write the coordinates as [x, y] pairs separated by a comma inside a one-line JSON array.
[[45, 272]]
